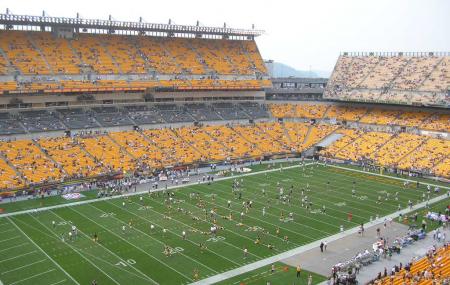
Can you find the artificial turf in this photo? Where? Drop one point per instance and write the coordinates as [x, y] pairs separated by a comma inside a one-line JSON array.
[[33, 251]]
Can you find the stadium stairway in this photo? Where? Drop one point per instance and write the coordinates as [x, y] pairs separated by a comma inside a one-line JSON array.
[[85, 68], [81, 145], [123, 149], [9, 64], [246, 139], [36, 143], [146, 138], [107, 52], [286, 133], [325, 113], [411, 151], [367, 75], [218, 141], [18, 173], [350, 142], [308, 134], [395, 135], [328, 140], [431, 72], [36, 47], [175, 132]]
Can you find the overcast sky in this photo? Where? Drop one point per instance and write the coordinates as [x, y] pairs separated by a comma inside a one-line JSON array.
[[300, 33]]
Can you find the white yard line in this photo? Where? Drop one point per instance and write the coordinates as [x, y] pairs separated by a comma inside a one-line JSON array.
[[11, 238], [144, 276], [59, 282], [18, 256], [133, 245], [78, 251], [7, 231], [301, 249], [12, 247], [33, 276], [24, 266], [213, 252], [51, 259]]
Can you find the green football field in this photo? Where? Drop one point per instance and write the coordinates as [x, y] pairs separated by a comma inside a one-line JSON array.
[[33, 250]]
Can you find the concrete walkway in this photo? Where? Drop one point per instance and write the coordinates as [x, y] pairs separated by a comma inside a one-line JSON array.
[[344, 249]]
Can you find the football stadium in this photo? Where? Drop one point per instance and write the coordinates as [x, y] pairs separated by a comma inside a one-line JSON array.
[[150, 153]]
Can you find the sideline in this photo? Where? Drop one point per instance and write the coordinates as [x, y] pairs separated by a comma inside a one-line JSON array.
[[144, 192], [386, 176]]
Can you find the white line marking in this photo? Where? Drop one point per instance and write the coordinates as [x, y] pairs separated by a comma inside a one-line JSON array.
[[133, 245], [54, 262], [17, 256], [17, 268], [16, 246], [144, 276], [78, 251], [33, 276], [7, 231], [14, 237], [59, 282]]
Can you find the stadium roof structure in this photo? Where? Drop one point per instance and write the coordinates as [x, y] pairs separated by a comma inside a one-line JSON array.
[[10, 21]]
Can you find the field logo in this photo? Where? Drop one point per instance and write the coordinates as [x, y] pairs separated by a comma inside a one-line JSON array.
[[315, 211], [363, 197], [126, 263], [254, 229], [106, 215], [216, 239], [286, 220], [73, 196], [174, 250], [340, 204], [143, 208]]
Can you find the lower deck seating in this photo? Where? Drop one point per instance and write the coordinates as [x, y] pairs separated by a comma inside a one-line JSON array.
[[236, 146], [135, 144], [35, 166], [209, 147], [8, 177], [363, 146], [261, 138], [434, 268], [106, 152], [74, 160], [426, 156], [174, 147], [348, 135], [394, 150]]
